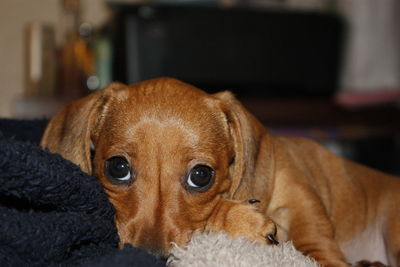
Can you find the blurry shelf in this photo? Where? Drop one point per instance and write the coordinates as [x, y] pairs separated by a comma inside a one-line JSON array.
[[319, 118], [323, 117], [37, 107]]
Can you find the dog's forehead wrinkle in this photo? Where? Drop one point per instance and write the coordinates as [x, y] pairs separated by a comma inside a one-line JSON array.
[[159, 128], [165, 90]]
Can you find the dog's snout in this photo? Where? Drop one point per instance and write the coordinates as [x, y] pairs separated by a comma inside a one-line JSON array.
[[159, 241], [151, 240]]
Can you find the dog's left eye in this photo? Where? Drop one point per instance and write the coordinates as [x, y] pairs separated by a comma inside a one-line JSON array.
[[200, 178], [118, 170]]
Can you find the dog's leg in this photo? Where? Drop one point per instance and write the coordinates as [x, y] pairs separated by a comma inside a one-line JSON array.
[[311, 230], [315, 238], [393, 237]]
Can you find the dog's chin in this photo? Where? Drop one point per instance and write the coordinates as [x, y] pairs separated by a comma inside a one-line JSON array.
[[158, 245]]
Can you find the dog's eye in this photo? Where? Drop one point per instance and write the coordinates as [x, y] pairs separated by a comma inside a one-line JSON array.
[[200, 178], [118, 170]]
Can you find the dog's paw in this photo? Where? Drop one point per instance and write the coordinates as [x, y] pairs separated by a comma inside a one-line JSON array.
[[240, 219], [365, 263]]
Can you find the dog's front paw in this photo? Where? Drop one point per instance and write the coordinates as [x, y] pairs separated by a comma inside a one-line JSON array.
[[365, 263], [241, 219]]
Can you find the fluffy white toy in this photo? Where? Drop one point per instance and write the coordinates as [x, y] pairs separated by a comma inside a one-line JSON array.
[[219, 250]]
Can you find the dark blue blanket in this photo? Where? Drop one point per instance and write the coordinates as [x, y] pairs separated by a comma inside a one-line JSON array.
[[51, 213]]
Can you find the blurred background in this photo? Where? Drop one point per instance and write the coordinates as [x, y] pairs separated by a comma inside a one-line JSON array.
[[324, 69]]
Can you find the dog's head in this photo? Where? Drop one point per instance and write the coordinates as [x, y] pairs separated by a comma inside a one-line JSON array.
[[165, 152]]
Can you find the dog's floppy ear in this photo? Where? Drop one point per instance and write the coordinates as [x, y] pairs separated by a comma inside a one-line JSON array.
[[69, 131], [246, 133]]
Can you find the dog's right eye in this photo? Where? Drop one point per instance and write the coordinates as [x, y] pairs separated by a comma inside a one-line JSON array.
[[118, 170], [200, 178]]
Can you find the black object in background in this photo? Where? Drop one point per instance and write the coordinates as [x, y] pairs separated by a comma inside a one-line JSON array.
[[23, 130], [251, 52]]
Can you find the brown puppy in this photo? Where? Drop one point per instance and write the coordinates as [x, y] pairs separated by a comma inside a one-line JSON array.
[[175, 160]]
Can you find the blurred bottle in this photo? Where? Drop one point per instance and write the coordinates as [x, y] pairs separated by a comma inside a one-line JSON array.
[[76, 59], [103, 54], [40, 60]]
